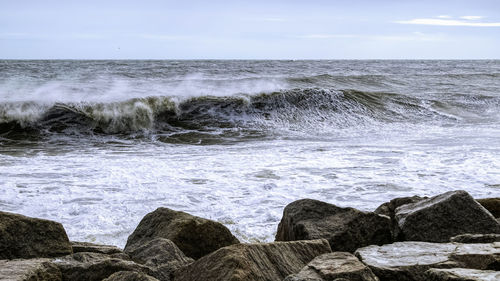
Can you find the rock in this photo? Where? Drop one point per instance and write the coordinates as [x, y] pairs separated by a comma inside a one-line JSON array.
[[492, 205], [196, 237], [248, 262], [333, 266], [462, 274], [161, 255], [410, 260], [346, 229], [441, 217], [94, 266], [79, 247], [476, 238], [129, 276], [29, 270], [388, 208], [24, 237], [478, 256]]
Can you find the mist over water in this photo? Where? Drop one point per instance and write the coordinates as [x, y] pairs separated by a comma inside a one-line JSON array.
[[96, 145]]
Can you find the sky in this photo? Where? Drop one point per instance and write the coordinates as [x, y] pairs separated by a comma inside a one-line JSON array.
[[314, 29]]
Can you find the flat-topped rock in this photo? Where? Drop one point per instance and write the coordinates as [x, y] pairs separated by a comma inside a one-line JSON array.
[[25, 237], [29, 270], [462, 274], [79, 247], [441, 217], [476, 238], [334, 266], [410, 260], [94, 266], [346, 229], [195, 236], [249, 262]]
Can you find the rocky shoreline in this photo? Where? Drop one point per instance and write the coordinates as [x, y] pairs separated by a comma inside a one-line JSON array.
[[446, 237]]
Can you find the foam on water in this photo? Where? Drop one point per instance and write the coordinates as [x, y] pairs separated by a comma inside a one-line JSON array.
[[350, 133]]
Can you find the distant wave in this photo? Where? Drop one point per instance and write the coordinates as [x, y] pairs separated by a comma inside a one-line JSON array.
[[294, 109]]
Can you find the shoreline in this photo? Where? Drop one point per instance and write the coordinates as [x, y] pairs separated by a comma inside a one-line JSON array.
[[461, 233]]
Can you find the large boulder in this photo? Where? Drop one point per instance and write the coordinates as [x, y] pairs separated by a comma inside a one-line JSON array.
[[388, 208], [29, 270], [441, 217], [248, 262], [346, 229], [462, 274], [161, 255], [130, 276], [94, 266], [408, 261], [492, 205], [195, 236], [333, 266], [25, 237]]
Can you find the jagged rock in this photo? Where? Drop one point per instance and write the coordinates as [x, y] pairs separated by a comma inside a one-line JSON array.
[[441, 217], [94, 266], [346, 229], [409, 260], [29, 270], [492, 205], [195, 236], [476, 238], [25, 237], [79, 247], [334, 266], [462, 274], [129, 276], [161, 255], [248, 262]]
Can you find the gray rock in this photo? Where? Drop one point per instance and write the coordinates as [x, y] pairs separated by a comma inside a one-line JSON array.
[[462, 274], [478, 256], [24, 237], [129, 276], [492, 205], [29, 270], [195, 236], [161, 255], [346, 229], [441, 217], [410, 260], [388, 208], [334, 266], [94, 266], [476, 238], [79, 247], [248, 262]]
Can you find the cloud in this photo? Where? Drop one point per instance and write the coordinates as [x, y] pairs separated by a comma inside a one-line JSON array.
[[444, 17], [451, 22], [415, 36], [472, 17]]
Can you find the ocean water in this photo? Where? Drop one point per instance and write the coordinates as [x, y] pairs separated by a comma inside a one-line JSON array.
[[96, 145]]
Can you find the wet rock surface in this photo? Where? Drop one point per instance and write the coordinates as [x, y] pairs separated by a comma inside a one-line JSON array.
[[129, 276], [346, 229]]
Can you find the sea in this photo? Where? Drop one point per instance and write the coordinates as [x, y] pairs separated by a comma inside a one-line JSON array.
[[96, 145]]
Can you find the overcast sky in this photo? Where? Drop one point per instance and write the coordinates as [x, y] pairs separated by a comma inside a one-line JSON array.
[[250, 29]]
